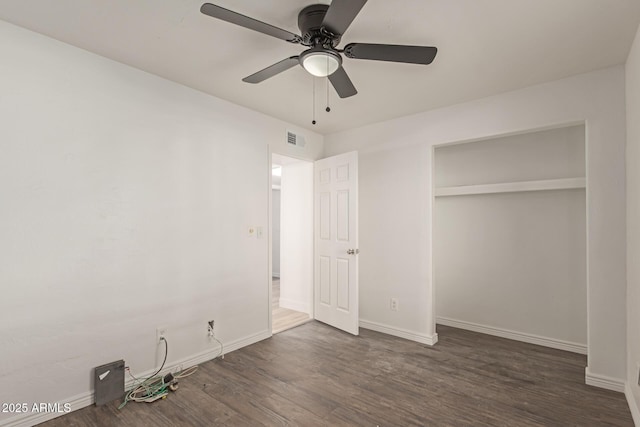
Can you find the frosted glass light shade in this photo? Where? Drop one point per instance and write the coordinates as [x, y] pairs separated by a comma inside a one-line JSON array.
[[320, 64]]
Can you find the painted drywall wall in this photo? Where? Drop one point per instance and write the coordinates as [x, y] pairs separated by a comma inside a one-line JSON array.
[[547, 154], [396, 196], [275, 230], [394, 257], [633, 227], [515, 261], [296, 236], [125, 205]]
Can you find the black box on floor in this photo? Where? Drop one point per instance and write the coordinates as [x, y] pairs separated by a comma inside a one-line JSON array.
[[109, 382]]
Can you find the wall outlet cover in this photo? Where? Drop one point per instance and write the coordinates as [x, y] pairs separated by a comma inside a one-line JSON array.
[[161, 332]]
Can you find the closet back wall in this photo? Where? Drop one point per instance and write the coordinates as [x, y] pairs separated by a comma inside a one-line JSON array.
[[513, 263]]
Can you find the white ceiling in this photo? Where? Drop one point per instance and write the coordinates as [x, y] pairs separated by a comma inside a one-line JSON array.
[[485, 47]]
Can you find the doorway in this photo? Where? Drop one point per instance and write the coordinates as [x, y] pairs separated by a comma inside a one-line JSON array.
[[292, 242]]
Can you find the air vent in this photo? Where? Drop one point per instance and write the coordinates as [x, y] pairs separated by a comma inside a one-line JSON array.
[[293, 139]]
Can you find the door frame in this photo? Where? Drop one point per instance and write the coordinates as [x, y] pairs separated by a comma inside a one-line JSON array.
[[270, 153]]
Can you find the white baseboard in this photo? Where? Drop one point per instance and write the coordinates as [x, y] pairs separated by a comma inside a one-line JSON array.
[[246, 341], [603, 381], [295, 305], [633, 406], [399, 332], [514, 335], [83, 400]]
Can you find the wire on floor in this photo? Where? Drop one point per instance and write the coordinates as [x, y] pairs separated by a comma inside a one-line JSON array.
[[157, 386], [150, 388]]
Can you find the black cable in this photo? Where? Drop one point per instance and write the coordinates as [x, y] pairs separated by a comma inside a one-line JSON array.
[[145, 383], [166, 352]]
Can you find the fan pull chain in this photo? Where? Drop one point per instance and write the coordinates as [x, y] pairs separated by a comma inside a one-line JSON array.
[[313, 121], [328, 108]]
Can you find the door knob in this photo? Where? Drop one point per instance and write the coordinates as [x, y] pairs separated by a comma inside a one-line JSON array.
[[353, 251]]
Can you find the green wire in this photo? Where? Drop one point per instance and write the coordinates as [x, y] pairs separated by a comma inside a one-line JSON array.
[[152, 377]]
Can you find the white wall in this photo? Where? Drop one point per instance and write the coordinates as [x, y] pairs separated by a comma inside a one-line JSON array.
[[513, 264], [396, 197], [296, 236], [633, 227], [546, 154], [125, 204], [275, 230]]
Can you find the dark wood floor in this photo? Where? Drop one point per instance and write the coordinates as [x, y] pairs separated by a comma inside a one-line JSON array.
[[314, 375]]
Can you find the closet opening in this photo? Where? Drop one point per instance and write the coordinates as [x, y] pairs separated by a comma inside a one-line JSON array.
[[509, 237]]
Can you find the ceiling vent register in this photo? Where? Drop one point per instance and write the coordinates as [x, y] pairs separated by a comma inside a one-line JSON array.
[[295, 140]]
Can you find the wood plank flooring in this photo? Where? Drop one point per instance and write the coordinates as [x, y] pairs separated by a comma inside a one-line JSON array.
[[283, 318], [315, 375]]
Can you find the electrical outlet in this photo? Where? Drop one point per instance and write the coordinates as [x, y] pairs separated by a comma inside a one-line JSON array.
[[251, 231], [177, 369], [161, 333], [393, 304], [210, 328]]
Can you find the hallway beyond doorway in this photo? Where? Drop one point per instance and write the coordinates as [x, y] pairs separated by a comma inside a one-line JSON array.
[[283, 318]]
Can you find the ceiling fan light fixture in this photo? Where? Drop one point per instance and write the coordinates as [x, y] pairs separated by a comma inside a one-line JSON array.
[[320, 63], [321, 28]]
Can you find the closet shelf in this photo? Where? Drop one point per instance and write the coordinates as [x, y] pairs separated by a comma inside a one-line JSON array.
[[512, 187]]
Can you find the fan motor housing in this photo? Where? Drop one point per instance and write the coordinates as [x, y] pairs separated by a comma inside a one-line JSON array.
[[310, 23]]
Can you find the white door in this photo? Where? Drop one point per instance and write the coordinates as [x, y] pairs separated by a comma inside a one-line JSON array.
[[336, 241]]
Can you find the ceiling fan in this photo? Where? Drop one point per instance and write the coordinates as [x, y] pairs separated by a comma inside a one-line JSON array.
[[322, 26]]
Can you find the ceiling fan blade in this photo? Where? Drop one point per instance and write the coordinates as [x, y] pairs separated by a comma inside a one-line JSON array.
[[389, 52], [250, 23], [341, 14], [272, 70], [342, 83]]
